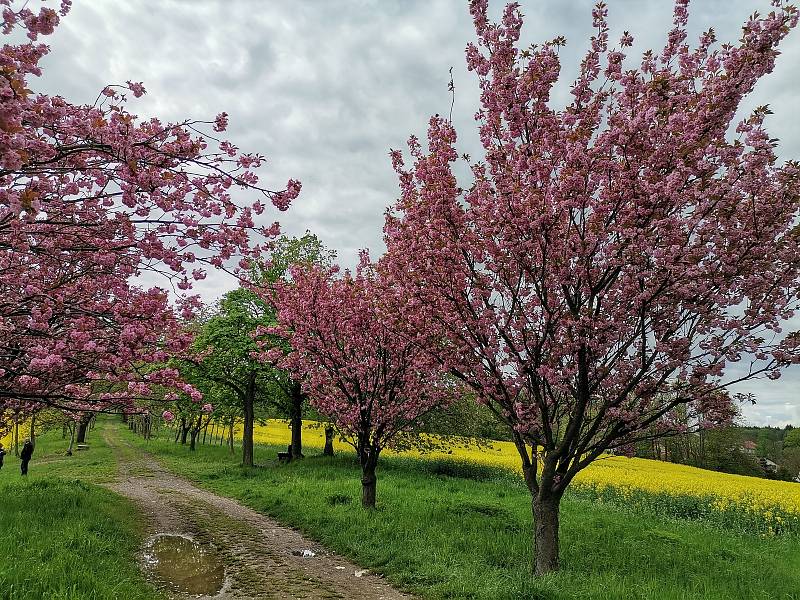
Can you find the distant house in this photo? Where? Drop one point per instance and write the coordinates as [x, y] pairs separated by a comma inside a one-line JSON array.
[[749, 447], [768, 465]]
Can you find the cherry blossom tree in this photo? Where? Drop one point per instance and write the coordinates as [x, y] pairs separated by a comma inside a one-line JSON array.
[[615, 265], [91, 197], [355, 367]]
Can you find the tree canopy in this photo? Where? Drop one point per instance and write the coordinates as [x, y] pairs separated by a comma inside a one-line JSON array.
[[90, 197], [610, 260]]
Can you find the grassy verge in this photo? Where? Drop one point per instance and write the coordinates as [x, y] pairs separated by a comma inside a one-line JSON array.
[[61, 536], [96, 465], [464, 532]]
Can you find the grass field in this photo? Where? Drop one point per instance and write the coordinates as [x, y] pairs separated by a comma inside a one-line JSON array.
[[456, 529], [448, 526], [62, 537]]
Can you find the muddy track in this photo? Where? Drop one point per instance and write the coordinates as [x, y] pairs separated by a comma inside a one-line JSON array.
[[261, 557]]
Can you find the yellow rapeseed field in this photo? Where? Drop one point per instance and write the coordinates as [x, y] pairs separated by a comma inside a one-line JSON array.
[[773, 505], [657, 476], [8, 439]]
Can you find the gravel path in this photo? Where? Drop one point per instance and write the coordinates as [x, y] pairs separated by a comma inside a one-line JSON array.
[[261, 557]]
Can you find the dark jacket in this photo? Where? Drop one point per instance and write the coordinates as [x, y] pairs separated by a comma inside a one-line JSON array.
[[27, 451]]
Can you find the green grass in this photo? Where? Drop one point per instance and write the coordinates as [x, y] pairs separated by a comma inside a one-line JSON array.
[[63, 537], [442, 530], [459, 532], [95, 465]]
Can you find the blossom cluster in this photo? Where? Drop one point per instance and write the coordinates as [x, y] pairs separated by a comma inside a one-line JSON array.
[[610, 260], [355, 364], [91, 196]]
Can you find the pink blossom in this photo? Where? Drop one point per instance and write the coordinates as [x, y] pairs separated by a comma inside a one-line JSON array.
[[608, 263], [347, 348], [221, 122], [137, 88], [80, 228]]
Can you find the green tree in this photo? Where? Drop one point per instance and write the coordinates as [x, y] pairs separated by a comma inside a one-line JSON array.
[[768, 443], [791, 439], [223, 368], [288, 252], [222, 365]]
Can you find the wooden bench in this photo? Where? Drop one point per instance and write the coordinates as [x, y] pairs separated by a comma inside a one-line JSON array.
[[285, 456]]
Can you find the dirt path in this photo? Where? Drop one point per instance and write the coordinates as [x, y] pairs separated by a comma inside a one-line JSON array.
[[260, 556]]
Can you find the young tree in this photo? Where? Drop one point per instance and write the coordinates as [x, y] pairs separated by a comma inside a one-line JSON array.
[[91, 196], [611, 259], [222, 356], [354, 366], [192, 416]]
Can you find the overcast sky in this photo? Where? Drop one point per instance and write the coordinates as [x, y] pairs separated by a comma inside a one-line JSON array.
[[324, 88]]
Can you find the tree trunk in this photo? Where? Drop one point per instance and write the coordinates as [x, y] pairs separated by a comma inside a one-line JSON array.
[[184, 431], [369, 481], [177, 434], [702, 449], [32, 435], [71, 439], [195, 432], [83, 425], [369, 484], [249, 419], [328, 451], [230, 435], [545, 536], [16, 436], [297, 422]]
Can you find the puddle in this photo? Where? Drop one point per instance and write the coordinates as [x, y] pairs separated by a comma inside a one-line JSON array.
[[180, 564]]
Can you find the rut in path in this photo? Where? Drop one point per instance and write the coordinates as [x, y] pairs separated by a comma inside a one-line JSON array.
[[258, 552]]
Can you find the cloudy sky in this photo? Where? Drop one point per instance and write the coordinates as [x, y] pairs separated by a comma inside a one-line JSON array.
[[324, 88]]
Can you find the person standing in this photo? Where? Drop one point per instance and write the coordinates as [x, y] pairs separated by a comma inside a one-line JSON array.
[[2, 455], [25, 456]]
